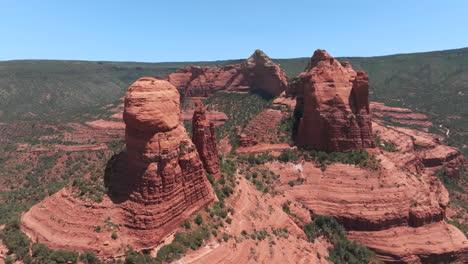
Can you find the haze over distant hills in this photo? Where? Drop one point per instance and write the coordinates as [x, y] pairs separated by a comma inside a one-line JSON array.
[[434, 83]]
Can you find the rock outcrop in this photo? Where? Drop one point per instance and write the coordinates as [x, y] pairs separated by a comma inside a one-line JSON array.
[[333, 100], [257, 72], [204, 138], [168, 179], [153, 186], [247, 140], [397, 213], [403, 116]]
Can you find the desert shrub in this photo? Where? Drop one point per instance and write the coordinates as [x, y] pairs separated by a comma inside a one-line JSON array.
[[360, 158], [89, 257], [343, 250], [87, 189], [349, 252], [288, 156], [187, 224], [19, 244], [298, 181], [198, 219], [240, 109], [9, 260], [384, 144], [194, 239], [323, 225], [259, 234], [16, 241], [171, 252], [42, 254], [262, 179], [256, 159], [64, 256], [133, 257], [281, 232]]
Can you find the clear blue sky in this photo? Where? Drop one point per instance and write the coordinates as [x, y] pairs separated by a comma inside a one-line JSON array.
[[190, 30]]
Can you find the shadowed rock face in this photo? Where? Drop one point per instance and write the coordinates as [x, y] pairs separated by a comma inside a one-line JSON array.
[[257, 72], [334, 102], [204, 139]]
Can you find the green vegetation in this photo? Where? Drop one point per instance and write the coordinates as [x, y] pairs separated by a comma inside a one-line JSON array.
[[19, 244], [42, 254], [240, 109], [199, 219], [288, 126], [284, 233], [89, 257], [88, 189], [360, 158], [263, 179], [51, 86], [133, 257], [31, 180], [17, 201], [256, 159], [457, 189], [288, 156], [286, 209], [171, 252], [343, 250], [297, 181], [384, 144], [16, 241]]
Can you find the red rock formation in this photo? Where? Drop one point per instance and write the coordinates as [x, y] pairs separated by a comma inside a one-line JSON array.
[[170, 181], [421, 149], [334, 101], [153, 187], [397, 213], [257, 72], [399, 115], [247, 140], [204, 138]]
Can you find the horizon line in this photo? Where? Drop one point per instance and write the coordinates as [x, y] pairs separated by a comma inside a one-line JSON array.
[[222, 60]]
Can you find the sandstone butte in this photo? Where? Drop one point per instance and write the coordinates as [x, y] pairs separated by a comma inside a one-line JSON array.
[[153, 186], [204, 138], [256, 72], [334, 102]]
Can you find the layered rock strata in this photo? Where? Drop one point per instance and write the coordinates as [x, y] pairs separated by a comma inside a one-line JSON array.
[[170, 181], [157, 183], [204, 138], [399, 115], [391, 211], [333, 100], [257, 72], [423, 150]]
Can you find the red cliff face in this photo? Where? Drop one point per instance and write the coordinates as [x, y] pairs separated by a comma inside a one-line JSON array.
[[333, 99], [257, 72], [204, 139], [169, 181]]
